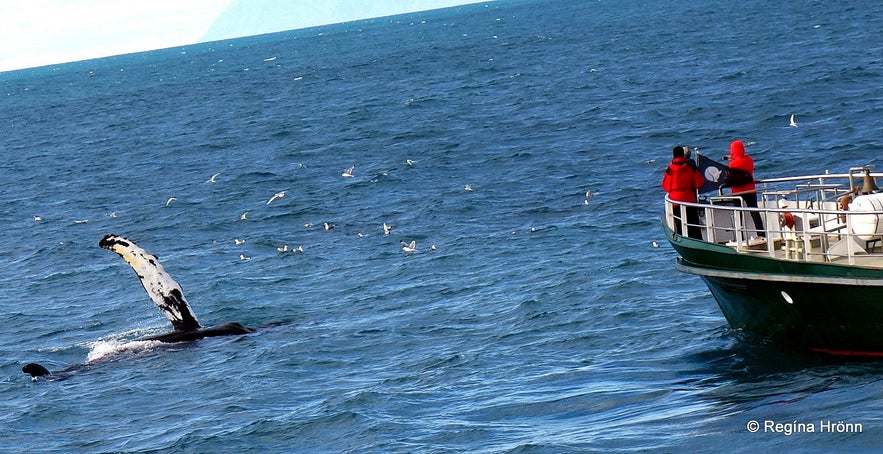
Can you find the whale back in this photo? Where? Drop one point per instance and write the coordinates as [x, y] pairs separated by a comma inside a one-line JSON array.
[[165, 292]]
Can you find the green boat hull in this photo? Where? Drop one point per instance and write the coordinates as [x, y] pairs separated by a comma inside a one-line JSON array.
[[825, 307]]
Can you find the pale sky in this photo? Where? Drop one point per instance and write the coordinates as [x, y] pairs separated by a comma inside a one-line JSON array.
[[42, 32], [45, 32]]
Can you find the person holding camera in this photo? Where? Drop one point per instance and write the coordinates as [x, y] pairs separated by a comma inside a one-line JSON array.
[[681, 181]]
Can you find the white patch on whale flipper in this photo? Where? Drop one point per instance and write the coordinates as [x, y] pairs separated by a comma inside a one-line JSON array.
[[162, 289]]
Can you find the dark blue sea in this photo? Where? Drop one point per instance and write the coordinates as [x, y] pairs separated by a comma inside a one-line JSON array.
[[531, 318]]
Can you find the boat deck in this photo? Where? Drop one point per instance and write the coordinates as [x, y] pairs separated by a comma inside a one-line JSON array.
[[834, 219]]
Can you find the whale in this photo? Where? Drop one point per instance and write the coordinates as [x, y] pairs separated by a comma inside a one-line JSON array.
[[166, 294]]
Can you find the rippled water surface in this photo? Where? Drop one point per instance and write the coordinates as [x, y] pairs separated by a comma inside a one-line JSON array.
[[531, 318]]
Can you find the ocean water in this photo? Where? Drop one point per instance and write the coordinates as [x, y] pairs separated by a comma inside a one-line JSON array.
[[541, 321]]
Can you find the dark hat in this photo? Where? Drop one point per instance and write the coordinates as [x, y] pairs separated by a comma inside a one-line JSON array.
[[678, 152]]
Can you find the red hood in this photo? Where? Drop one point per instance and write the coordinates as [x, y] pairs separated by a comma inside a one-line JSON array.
[[737, 149]]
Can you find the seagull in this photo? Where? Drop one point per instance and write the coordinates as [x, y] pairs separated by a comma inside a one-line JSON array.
[[655, 244], [37, 219], [793, 123], [113, 214], [409, 247], [243, 257], [298, 249], [410, 162], [468, 187], [81, 221], [387, 229], [432, 248], [328, 226], [213, 178], [282, 248], [171, 199], [308, 225], [348, 173], [277, 195], [237, 241], [243, 216]]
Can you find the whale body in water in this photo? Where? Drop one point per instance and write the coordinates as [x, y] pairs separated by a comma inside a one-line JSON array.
[[165, 292]]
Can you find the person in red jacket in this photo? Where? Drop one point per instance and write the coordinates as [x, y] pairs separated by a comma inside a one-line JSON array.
[[742, 181], [680, 181]]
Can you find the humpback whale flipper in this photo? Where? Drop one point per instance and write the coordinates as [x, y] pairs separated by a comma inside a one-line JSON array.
[[162, 289], [167, 295]]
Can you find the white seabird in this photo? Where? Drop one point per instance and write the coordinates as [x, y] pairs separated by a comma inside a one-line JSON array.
[[409, 247], [348, 173], [171, 199], [387, 229], [276, 196], [793, 123], [213, 178]]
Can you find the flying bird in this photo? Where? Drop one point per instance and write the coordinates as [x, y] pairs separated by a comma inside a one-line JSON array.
[[276, 196], [171, 199], [387, 229], [793, 123], [348, 173], [213, 179]]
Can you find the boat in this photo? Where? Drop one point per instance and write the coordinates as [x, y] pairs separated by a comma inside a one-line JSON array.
[[811, 277]]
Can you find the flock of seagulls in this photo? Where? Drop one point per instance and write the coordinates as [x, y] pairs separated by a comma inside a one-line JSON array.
[[407, 247]]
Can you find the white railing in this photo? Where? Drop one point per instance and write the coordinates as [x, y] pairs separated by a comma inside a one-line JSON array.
[[802, 219]]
